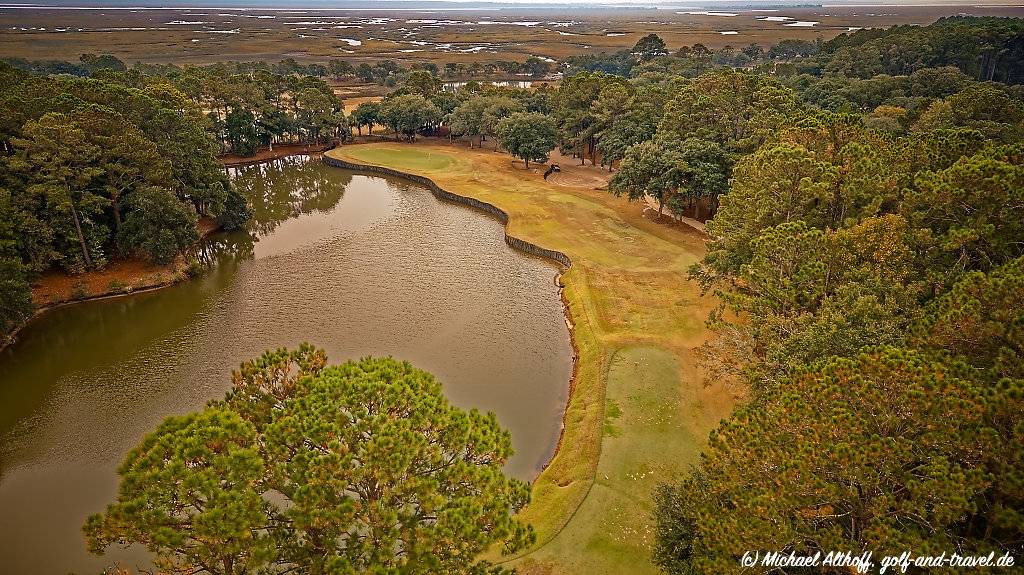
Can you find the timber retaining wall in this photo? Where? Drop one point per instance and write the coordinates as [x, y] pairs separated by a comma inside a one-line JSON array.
[[442, 194]]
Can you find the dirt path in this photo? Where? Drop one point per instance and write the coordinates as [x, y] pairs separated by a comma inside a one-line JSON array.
[[652, 205], [573, 174]]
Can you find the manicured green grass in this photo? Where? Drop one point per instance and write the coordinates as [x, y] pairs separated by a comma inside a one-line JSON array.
[[413, 159], [652, 433], [636, 319]]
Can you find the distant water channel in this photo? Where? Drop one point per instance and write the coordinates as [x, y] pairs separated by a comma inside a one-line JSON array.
[[355, 264], [521, 84]]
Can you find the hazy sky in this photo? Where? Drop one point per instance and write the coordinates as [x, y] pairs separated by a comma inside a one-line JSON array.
[[341, 4]]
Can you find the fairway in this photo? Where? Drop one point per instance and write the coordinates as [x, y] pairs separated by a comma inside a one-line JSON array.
[[654, 426], [640, 411]]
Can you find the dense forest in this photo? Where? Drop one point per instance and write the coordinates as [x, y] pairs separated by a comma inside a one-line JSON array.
[[982, 48], [93, 170], [864, 204], [866, 250], [871, 302], [383, 72]]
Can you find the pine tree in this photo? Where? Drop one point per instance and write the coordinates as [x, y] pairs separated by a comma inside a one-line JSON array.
[[354, 468], [883, 452]]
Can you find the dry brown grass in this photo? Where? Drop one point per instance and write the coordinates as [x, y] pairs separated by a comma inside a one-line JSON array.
[[274, 39], [122, 276]]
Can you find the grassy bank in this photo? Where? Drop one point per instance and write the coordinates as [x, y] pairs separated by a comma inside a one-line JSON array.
[[639, 412]]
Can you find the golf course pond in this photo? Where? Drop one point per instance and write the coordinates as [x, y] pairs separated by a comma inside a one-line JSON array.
[[358, 265]]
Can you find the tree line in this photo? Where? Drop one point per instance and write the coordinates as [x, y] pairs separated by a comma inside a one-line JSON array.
[[384, 72], [871, 295], [518, 118], [675, 137], [982, 48], [249, 107]]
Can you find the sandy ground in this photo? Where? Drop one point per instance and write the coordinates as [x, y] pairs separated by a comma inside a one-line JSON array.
[[118, 277], [573, 174], [352, 102]]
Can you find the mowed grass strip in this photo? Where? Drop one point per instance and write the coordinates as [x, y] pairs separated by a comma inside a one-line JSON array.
[[636, 319], [655, 424]]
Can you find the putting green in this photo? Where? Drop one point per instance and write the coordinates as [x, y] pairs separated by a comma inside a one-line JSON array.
[[413, 159]]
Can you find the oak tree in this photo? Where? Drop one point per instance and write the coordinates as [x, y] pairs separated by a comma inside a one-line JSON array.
[[528, 135]]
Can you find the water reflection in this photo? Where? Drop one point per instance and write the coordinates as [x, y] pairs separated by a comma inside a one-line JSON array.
[[286, 189], [519, 84], [355, 264]]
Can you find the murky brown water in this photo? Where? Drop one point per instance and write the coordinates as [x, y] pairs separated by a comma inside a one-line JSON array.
[[357, 265]]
